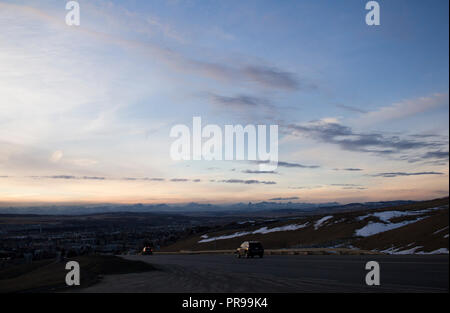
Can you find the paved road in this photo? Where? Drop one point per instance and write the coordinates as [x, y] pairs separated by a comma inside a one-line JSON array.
[[277, 273]]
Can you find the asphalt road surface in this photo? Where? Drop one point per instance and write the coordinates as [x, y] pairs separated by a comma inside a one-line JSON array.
[[281, 273]]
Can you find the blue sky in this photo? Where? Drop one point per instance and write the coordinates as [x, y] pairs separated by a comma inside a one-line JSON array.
[[98, 100]]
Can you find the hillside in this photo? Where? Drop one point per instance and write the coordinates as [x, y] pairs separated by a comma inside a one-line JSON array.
[[47, 275], [420, 227]]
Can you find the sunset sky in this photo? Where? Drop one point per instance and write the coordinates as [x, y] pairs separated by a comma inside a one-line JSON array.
[[86, 111]]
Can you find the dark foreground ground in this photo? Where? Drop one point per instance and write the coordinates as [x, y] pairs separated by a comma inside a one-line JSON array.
[[225, 273], [49, 275]]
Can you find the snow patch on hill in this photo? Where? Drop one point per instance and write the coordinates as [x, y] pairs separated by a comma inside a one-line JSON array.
[[291, 227], [238, 234], [388, 215], [376, 228], [321, 221], [414, 251], [373, 228], [263, 230], [438, 251], [440, 230]]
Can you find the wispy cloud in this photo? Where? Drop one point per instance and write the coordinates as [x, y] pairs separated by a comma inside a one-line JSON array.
[[238, 100], [70, 177], [271, 77], [143, 178], [395, 174], [349, 169], [260, 75], [289, 164], [436, 155], [347, 139], [404, 109], [179, 180], [267, 76], [351, 108], [258, 172], [93, 177], [284, 198], [354, 188], [305, 187], [345, 185], [247, 182], [175, 180], [349, 186]]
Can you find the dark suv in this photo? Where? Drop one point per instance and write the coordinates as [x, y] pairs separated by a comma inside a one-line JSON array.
[[249, 249]]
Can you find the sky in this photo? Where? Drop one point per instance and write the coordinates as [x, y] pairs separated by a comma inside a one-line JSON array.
[[86, 111]]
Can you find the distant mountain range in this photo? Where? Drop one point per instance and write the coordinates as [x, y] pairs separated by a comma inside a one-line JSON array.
[[210, 209]]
